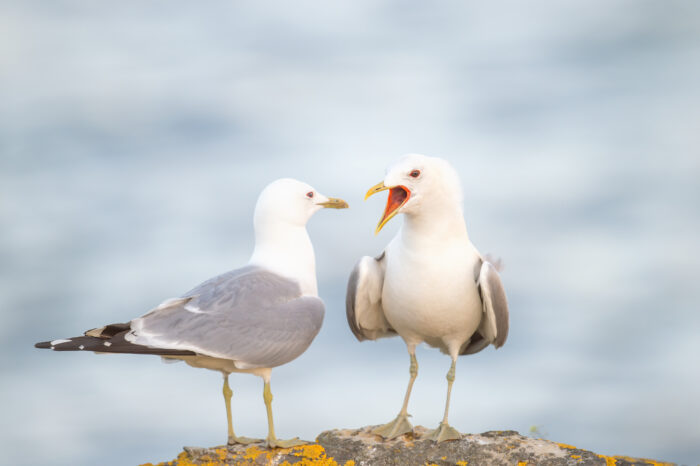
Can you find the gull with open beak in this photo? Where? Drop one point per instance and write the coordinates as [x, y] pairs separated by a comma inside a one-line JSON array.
[[430, 284]]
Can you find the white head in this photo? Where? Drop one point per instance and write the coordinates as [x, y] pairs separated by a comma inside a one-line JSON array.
[[282, 244], [288, 201], [419, 184]]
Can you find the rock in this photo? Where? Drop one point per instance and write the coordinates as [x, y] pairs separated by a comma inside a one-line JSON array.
[[359, 447]]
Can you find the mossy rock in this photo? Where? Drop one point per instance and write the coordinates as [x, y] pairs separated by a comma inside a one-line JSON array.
[[359, 447]]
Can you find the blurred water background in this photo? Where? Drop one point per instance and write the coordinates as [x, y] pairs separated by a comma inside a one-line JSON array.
[[135, 137]]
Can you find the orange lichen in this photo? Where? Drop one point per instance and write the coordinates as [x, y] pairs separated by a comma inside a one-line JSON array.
[[646, 461], [254, 452], [315, 455], [311, 455], [314, 451], [183, 459]]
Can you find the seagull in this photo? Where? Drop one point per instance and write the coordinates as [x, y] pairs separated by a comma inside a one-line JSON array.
[[430, 284], [248, 320]]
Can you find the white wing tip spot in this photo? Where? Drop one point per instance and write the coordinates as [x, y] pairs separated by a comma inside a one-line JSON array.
[[58, 342], [81, 347], [106, 343]]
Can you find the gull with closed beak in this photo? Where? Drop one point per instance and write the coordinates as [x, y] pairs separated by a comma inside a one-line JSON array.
[[250, 319]]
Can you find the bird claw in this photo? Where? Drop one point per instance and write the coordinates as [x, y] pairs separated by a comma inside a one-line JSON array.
[[276, 443], [443, 432], [395, 428]]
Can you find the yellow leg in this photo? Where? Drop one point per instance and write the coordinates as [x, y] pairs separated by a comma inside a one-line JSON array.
[[400, 425], [413, 370], [272, 441], [232, 439], [267, 397], [445, 431], [450, 380]]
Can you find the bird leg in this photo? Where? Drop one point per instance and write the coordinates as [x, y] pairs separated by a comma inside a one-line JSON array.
[[272, 441], [401, 425], [444, 430], [232, 439]]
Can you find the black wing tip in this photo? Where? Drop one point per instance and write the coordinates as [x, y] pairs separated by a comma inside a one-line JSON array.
[[116, 344]]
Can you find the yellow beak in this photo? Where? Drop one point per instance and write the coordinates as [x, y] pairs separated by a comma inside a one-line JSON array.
[[334, 203], [375, 189], [398, 195]]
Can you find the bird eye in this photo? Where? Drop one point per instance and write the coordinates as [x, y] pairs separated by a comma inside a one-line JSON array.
[[310, 194], [415, 173]]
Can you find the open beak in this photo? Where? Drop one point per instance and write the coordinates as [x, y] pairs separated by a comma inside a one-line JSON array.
[[398, 196], [334, 203]]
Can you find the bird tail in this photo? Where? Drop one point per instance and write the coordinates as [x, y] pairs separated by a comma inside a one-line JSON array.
[[108, 339]]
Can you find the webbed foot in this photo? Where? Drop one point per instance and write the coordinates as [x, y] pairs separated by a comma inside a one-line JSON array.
[[443, 432], [235, 440], [395, 428], [277, 443]]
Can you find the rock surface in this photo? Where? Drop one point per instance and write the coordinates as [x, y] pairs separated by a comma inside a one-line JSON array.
[[359, 447]]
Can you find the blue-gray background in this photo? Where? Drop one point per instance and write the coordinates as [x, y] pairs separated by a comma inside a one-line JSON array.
[[135, 137]]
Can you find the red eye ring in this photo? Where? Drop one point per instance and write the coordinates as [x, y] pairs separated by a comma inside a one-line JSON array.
[[310, 194], [415, 174]]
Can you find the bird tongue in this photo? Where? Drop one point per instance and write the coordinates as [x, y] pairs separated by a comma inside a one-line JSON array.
[[398, 195]]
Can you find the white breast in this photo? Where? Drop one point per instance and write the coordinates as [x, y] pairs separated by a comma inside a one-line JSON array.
[[430, 293], [287, 250]]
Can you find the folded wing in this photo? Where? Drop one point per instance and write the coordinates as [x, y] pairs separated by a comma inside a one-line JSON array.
[[250, 315], [363, 302], [493, 328]]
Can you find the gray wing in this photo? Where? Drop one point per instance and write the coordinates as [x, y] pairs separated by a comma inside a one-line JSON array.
[[363, 301], [493, 328], [249, 315]]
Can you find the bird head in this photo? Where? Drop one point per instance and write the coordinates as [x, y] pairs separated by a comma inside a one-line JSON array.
[[415, 183], [291, 201]]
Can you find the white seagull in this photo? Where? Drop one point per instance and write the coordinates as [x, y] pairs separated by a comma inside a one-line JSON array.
[[248, 320], [430, 284]]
